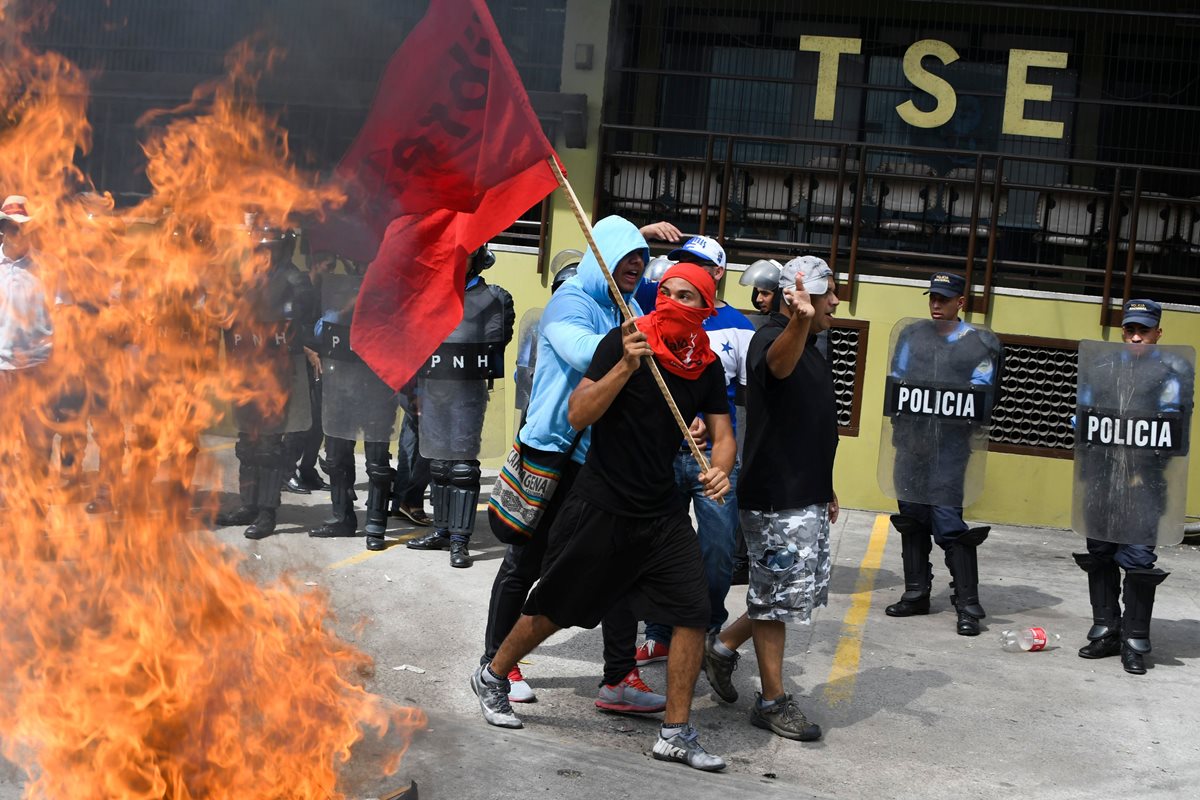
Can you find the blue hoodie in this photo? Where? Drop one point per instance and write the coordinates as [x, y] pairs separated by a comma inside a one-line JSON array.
[[577, 317]]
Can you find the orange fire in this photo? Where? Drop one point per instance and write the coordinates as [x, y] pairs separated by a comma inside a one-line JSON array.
[[137, 660]]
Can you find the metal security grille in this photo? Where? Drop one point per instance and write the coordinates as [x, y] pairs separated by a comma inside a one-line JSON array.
[[1037, 397], [900, 136], [847, 350]]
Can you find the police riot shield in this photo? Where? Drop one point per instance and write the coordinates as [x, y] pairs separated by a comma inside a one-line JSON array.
[[276, 381], [938, 399], [354, 400], [264, 363], [527, 342], [1132, 426], [460, 389]]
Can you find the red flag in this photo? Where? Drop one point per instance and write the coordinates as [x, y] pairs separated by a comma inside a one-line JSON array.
[[451, 154]]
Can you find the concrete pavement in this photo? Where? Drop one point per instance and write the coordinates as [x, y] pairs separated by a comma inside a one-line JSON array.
[[909, 708]]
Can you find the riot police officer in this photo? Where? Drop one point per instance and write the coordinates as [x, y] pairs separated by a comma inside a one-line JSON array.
[[1132, 421], [354, 401], [265, 349], [939, 394], [455, 388]]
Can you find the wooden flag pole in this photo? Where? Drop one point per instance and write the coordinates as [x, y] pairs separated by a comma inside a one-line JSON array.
[[586, 227]]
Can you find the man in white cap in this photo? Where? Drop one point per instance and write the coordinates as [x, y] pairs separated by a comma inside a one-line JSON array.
[[25, 328], [785, 492]]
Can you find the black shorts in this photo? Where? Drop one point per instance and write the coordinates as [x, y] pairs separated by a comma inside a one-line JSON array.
[[595, 558]]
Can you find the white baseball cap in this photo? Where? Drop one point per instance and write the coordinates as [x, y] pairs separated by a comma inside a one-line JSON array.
[[811, 271], [701, 247], [14, 209]]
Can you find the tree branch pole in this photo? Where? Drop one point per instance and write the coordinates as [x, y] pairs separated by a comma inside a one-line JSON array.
[[586, 227]]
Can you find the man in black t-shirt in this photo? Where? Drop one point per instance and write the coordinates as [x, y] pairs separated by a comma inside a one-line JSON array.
[[624, 502], [785, 492]]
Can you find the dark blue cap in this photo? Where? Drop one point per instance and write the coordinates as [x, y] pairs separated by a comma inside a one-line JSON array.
[[947, 284], [1142, 312]]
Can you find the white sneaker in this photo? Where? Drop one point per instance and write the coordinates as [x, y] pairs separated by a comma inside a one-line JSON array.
[[685, 748], [519, 690]]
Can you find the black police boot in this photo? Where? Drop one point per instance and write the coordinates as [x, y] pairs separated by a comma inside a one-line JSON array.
[[462, 501], [295, 485], [245, 513], [242, 515], [1140, 585], [438, 539], [270, 484], [460, 557], [915, 546], [1104, 586], [380, 479], [263, 525], [963, 561], [344, 522]]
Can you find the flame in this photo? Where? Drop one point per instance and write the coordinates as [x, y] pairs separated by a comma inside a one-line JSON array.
[[138, 660]]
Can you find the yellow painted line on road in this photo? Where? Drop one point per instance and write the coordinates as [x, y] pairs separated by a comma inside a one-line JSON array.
[[366, 555], [359, 558], [840, 686]]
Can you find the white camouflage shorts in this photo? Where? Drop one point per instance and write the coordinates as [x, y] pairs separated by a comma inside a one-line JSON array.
[[787, 593]]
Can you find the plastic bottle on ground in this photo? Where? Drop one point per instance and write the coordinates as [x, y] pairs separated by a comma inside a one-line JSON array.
[[1029, 639]]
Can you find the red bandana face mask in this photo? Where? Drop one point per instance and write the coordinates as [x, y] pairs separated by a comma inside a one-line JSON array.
[[675, 332]]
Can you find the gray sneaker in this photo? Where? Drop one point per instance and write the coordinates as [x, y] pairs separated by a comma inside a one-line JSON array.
[[631, 696], [784, 719], [685, 748], [493, 700], [719, 671]]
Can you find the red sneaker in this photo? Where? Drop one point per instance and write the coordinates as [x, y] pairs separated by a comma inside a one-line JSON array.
[[650, 652]]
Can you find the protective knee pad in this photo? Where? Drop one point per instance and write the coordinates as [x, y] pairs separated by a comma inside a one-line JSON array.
[[915, 548], [465, 474], [910, 525], [270, 483], [273, 453], [964, 567], [339, 461], [247, 484], [1139, 590], [244, 447], [378, 491], [439, 471], [1089, 562], [264, 452], [378, 457], [463, 497], [975, 536]]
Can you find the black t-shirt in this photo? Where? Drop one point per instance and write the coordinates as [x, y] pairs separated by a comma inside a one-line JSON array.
[[629, 468], [791, 428]]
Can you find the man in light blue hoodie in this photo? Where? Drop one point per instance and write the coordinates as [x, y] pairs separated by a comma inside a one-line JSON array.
[[577, 317]]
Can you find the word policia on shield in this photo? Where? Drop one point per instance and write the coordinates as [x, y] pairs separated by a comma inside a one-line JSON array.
[[141, 658]]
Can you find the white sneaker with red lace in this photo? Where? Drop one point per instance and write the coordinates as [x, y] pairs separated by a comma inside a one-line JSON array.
[[631, 696], [519, 690], [650, 652]]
